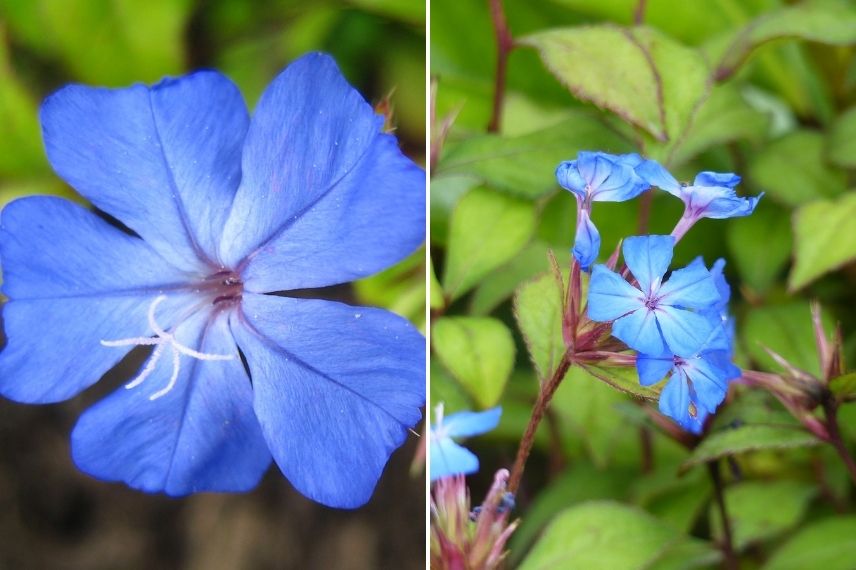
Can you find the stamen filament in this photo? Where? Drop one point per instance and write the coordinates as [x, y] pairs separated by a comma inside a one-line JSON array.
[[160, 341]]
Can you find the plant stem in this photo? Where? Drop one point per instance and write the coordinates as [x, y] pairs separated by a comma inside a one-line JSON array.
[[639, 13], [504, 44], [528, 440], [831, 411], [727, 542]]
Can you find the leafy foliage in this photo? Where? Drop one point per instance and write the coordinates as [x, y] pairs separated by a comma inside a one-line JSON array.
[[763, 89]]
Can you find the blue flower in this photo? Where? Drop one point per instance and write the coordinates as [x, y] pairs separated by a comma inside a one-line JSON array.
[[597, 177], [449, 458], [221, 211], [602, 177], [711, 195], [655, 316], [697, 384]]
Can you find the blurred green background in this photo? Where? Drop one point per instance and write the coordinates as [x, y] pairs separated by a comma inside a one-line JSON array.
[[51, 516], [763, 88]]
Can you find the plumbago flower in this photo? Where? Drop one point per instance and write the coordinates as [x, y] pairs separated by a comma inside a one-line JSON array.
[[221, 211], [597, 177], [699, 383], [654, 316], [711, 195], [449, 458], [681, 327]]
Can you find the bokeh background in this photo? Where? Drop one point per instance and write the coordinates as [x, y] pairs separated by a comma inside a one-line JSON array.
[[783, 117], [52, 516]]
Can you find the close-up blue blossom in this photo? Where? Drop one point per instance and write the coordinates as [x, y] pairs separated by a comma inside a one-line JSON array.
[[218, 211], [447, 457], [654, 316]]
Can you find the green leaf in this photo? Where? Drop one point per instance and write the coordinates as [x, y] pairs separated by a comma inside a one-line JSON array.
[[601, 535], [792, 169], [786, 329], [661, 82], [538, 311], [824, 21], [677, 501], [745, 439], [825, 238], [587, 410], [827, 544], [487, 229], [445, 390], [525, 165], [500, 284], [844, 387], [761, 510], [761, 245], [479, 352], [582, 483], [625, 379], [841, 140], [724, 117]]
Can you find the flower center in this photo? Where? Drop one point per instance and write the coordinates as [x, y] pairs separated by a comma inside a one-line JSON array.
[[226, 286], [651, 302]]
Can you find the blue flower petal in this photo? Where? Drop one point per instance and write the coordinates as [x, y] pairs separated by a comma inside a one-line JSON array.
[[652, 369], [691, 287], [676, 402], [685, 332], [729, 180], [325, 196], [648, 258], [731, 207], [639, 331], [73, 281], [372, 219], [709, 376], [466, 424], [448, 458], [654, 174], [200, 436], [336, 388], [165, 161], [569, 178], [587, 241], [610, 296]]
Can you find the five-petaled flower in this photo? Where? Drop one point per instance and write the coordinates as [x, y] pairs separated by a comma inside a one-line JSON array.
[[597, 177], [221, 211], [654, 317], [447, 457]]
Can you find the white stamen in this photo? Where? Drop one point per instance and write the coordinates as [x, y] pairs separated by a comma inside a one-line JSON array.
[[160, 342]]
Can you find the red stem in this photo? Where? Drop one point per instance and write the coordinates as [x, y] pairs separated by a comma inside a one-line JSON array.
[[541, 404], [504, 44]]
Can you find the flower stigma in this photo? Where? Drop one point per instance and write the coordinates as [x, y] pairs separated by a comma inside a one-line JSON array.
[[161, 339]]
